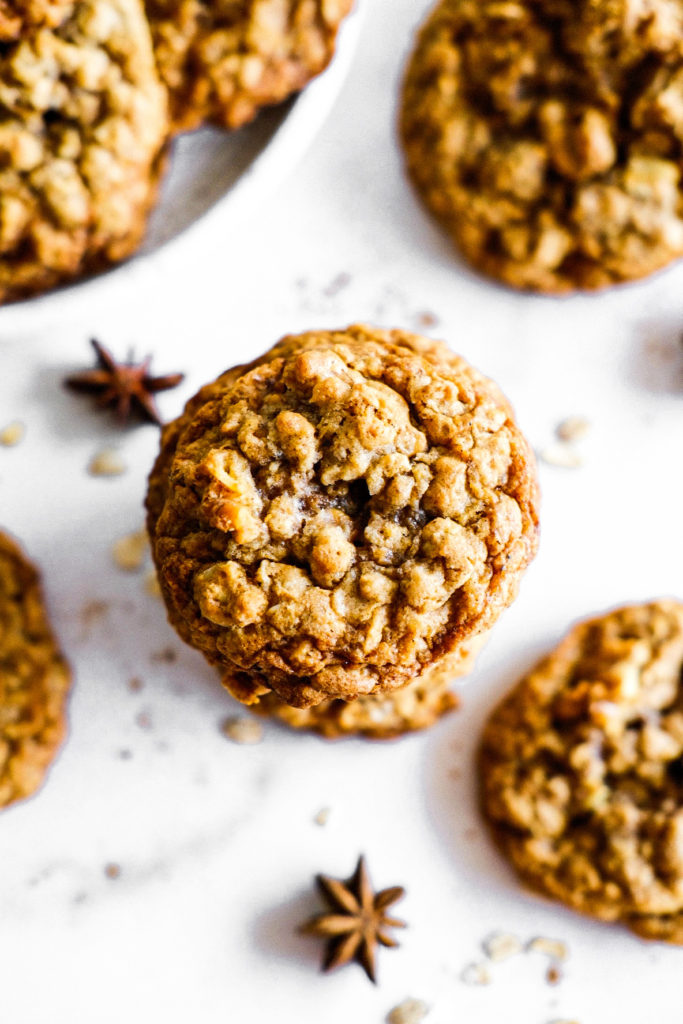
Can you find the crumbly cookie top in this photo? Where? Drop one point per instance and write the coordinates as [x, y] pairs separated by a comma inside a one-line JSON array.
[[34, 679], [582, 768], [547, 135], [82, 121], [333, 519], [222, 60]]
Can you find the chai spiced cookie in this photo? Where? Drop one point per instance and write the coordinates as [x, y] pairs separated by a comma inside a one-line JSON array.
[[582, 770], [383, 716], [547, 136], [82, 125], [337, 517], [223, 60], [34, 679]]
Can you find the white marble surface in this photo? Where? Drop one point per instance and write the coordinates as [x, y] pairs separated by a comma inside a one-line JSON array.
[[216, 842]]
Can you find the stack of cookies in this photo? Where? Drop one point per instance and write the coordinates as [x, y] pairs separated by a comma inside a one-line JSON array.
[[91, 92], [337, 526]]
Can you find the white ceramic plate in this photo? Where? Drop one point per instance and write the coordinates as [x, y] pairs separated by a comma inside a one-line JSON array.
[[209, 168]]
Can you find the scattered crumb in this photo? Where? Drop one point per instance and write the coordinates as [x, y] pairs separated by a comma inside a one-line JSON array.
[[135, 684], [573, 428], [561, 455], [92, 611], [129, 551], [144, 720], [12, 434], [337, 285], [323, 816], [125, 755], [152, 584], [554, 948], [501, 945], [553, 975], [242, 729], [106, 462], [165, 654], [476, 974], [426, 319], [112, 870], [410, 1011]]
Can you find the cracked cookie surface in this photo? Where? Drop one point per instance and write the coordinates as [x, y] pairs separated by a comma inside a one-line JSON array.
[[34, 679], [582, 770], [547, 136], [336, 517], [222, 60], [82, 125]]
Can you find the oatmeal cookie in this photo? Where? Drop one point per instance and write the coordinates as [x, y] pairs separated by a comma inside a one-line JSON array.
[[82, 125], [547, 136], [385, 716], [34, 679], [222, 60], [336, 517], [582, 770]]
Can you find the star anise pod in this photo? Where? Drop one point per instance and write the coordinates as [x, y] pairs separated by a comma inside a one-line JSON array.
[[357, 921], [127, 386]]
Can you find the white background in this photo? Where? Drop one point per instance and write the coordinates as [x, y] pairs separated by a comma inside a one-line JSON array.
[[216, 842]]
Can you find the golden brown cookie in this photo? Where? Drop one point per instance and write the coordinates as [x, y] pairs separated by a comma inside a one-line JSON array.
[[335, 518], [222, 60], [34, 679], [384, 716], [582, 770], [547, 136], [82, 125]]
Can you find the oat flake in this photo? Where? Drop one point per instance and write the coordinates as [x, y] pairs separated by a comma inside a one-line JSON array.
[[12, 434], [410, 1011], [106, 462], [241, 729], [129, 551]]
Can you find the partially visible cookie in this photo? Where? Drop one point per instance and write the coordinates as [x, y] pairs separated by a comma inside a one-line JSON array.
[[546, 136], [34, 679], [222, 61], [385, 716], [82, 125], [340, 515], [582, 770]]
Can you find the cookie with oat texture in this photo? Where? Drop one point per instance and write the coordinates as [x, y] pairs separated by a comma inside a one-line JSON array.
[[337, 517], [34, 679], [83, 122], [582, 770], [223, 60], [546, 136]]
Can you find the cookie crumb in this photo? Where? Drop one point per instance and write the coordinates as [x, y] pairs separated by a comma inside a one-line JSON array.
[[152, 584], [323, 816], [501, 945], [561, 455], [573, 428], [241, 729], [166, 654], [476, 974], [144, 720], [12, 434], [553, 975], [129, 551], [410, 1011], [112, 870], [135, 684], [427, 320], [556, 949], [106, 462]]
